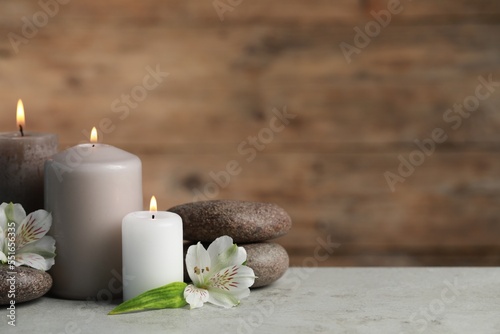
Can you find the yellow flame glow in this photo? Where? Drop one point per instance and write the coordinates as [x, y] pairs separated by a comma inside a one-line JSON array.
[[152, 204], [93, 135], [20, 114]]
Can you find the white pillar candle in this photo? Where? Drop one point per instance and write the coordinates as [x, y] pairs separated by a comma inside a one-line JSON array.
[[89, 188], [152, 250], [22, 156]]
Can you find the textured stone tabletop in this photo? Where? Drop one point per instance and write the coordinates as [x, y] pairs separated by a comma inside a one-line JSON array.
[[313, 300]]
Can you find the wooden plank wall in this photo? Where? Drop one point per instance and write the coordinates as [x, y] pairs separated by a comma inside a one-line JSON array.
[[227, 79]]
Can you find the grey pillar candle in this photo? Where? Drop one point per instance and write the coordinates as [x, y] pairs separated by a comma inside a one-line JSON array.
[[22, 158], [89, 188]]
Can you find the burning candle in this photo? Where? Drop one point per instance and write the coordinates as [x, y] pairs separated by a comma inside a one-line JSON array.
[[152, 250], [89, 188], [22, 156]]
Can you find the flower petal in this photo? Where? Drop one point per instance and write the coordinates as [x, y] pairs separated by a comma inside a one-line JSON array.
[[229, 285], [233, 278], [3, 257], [195, 297], [15, 213], [45, 247], [34, 260], [33, 227], [223, 253], [222, 298], [3, 241], [3, 216], [198, 264], [218, 246]]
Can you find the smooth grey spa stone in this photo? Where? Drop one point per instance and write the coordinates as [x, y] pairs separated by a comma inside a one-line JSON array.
[[245, 222], [22, 284], [269, 262]]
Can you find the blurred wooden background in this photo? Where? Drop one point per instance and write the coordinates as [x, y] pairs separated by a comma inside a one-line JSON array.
[[80, 59]]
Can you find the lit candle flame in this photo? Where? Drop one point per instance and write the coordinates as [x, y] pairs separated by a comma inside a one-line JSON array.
[[20, 116], [93, 135], [152, 205]]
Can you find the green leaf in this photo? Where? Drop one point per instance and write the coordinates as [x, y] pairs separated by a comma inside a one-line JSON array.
[[167, 296]]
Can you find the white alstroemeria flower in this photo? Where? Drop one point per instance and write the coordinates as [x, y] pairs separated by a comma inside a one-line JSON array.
[[32, 247], [219, 275]]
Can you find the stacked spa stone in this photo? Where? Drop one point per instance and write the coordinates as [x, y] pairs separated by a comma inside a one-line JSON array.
[[21, 284], [250, 224]]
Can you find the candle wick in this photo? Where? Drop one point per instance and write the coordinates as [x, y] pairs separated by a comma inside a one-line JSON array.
[[93, 145], [153, 217], [21, 130]]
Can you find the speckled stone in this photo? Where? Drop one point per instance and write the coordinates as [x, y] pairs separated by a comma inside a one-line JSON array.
[[269, 262], [245, 222], [29, 283]]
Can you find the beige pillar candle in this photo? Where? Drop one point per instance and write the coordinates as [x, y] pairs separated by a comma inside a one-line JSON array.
[[22, 156], [89, 188]]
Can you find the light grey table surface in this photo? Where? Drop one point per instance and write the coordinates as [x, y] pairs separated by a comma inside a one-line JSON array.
[[305, 300]]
